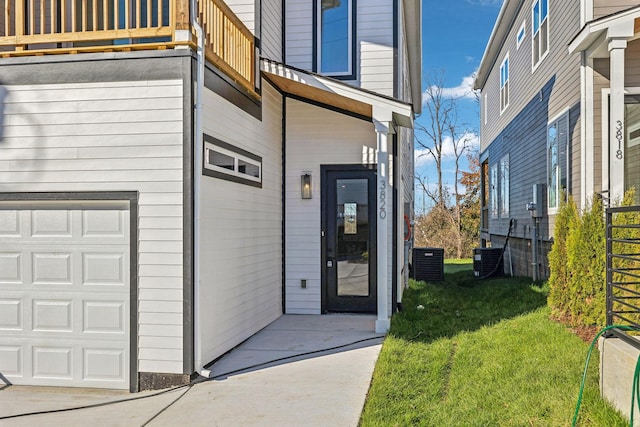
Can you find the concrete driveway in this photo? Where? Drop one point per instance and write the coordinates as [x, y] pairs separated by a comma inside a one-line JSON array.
[[299, 370]]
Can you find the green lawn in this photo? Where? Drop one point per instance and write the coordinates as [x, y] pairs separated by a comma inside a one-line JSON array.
[[481, 354]]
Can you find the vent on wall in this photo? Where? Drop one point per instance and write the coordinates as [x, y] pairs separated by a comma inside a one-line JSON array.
[[428, 264]]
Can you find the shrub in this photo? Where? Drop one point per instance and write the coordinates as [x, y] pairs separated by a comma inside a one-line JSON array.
[[586, 266], [559, 278], [577, 283]]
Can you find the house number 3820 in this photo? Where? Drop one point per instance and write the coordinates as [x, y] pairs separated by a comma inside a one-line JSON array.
[[383, 200]]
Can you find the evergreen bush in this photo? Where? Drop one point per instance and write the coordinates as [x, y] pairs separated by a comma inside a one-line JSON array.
[[566, 219]]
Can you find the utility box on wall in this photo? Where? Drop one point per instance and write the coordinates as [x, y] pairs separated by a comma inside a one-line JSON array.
[[428, 264]]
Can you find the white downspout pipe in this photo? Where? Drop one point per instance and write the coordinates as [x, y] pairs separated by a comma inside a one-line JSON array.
[[197, 162]]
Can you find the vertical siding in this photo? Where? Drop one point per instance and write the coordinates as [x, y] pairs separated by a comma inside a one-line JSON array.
[[607, 7], [315, 136], [124, 136], [241, 230], [374, 41], [272, 29]]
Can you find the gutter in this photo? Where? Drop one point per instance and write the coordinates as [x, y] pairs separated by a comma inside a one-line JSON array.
[[197, 162]]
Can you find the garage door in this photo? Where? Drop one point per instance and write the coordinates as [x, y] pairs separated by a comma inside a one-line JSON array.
[[64, 294]]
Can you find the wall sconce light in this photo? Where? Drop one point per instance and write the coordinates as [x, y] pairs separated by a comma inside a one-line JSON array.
[[305, 186]]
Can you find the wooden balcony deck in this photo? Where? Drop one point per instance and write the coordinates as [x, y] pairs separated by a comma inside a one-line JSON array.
[[41, 27]]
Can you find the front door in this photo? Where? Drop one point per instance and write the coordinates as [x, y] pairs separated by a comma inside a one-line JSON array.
[[349, 240]]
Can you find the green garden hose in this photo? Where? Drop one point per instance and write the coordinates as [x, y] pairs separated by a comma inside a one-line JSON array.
[[636, 383]]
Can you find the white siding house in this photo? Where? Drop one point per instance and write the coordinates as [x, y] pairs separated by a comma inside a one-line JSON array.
[[160, 204]]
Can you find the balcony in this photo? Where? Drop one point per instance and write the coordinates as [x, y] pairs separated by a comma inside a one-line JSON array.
[[43, 27]]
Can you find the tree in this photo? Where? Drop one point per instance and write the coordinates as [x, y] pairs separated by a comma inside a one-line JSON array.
[[444, 137]]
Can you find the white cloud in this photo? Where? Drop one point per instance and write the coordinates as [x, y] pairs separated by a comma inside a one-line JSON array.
[[463, 90], [423, 158]]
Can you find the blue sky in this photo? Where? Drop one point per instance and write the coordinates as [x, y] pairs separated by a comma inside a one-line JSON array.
[[454, 36]]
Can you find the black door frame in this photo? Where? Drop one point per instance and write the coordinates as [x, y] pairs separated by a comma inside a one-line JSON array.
[[373, 253]]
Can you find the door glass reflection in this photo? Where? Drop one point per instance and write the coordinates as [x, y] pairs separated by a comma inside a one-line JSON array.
[[353, 237]]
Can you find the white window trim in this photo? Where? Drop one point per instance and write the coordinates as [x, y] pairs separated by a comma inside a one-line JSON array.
[[486, 112], [522, 30], [503, 208], [534, 66], [556, 118], [236, 157], [493, 192], [507, 83], [318, 25]]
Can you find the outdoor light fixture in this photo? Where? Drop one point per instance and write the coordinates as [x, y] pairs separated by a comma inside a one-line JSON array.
[[305, 186]]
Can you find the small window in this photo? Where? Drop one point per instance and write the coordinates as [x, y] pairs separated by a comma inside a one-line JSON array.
[[504, 187], [504, 84], [540, 31], [225, 161], [521, 34]]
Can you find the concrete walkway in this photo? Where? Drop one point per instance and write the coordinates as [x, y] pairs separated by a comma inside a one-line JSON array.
[[307, 385]]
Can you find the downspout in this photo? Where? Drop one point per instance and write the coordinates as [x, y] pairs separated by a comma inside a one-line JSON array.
[[197, 164]]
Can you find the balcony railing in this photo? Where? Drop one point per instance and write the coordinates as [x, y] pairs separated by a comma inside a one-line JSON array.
[[38, 27]]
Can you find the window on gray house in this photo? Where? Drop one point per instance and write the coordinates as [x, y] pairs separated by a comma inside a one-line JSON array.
[[540, 30], [557, 160], [504, 84], [493, 190], [504, 187], [335, 38]]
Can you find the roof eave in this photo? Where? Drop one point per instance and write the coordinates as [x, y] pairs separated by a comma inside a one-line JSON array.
[[503, 24], [413, 25]]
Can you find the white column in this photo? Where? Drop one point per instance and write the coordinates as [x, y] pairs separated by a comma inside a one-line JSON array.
[[384, 210], [616, 119]]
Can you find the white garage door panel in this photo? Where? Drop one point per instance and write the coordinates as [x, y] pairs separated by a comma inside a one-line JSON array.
[[64, 294]]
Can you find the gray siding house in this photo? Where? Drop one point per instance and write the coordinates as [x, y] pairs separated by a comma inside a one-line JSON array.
[[175, 175], [560, 114]]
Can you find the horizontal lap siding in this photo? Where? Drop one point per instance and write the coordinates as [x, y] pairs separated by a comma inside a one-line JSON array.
[[601, 82], [272, 29], [245, 11], [241, 230], [374, 41], [299, 33], [119, 136], [535, 98], [315, 137], [607, 7]]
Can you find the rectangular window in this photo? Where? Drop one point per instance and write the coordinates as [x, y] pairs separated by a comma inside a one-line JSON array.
[[553, 167], [540, 30], [335, 37], [504, 187], [225, 161], [493, 190], [557, 161], [485, 109], [504, 84], [521, 34]]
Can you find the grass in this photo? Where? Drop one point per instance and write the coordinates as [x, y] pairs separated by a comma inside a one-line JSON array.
[[481, 354]]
